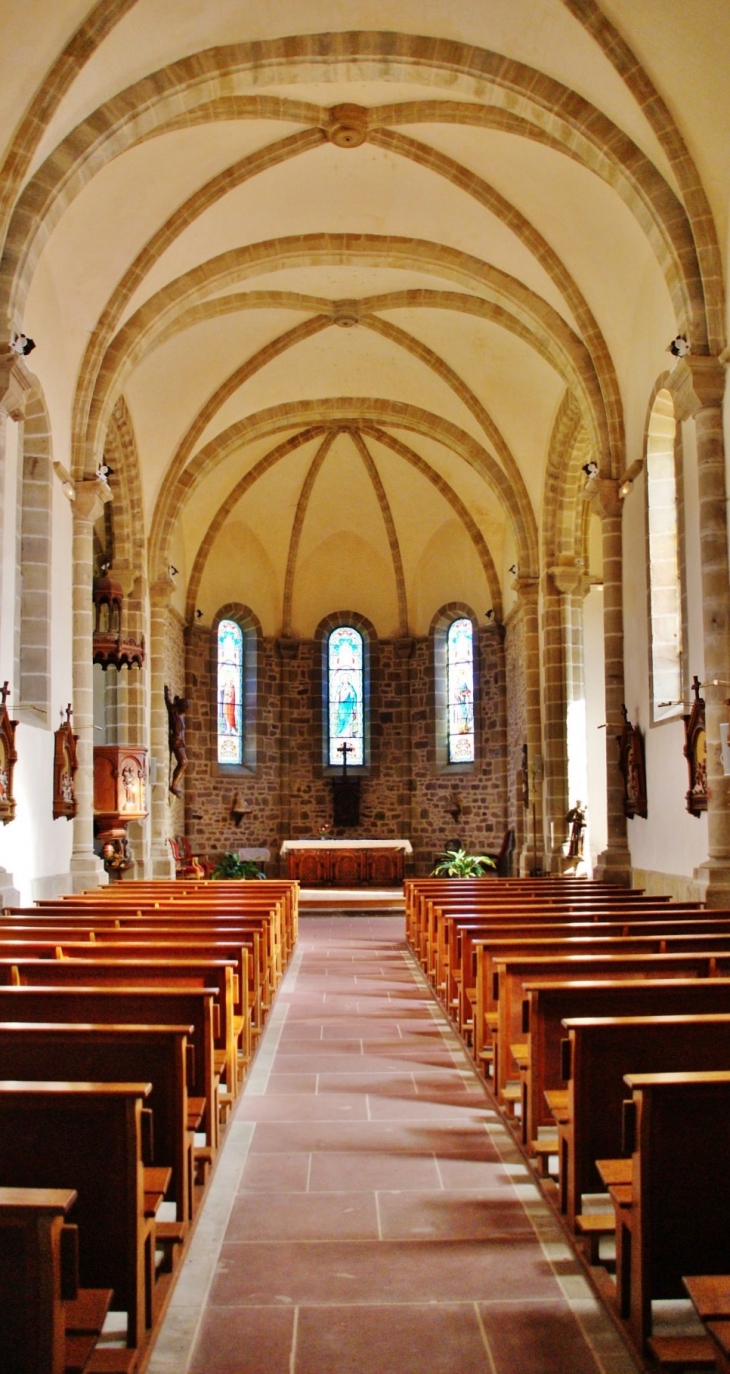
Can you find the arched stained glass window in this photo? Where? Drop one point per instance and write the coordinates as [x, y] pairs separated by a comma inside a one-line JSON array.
[[460, 689], [345, 697], [230, 692]]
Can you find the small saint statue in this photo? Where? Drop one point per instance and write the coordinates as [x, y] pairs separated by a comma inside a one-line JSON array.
[[576, 819]]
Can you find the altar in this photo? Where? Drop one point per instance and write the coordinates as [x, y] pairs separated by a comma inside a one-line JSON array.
[[346, 863]]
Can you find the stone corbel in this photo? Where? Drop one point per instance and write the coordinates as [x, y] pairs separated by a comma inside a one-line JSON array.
[[696, 384], [570, 578], [403, 648], [91, 495], [161, 590], [603, 494], [288, 648], [15, 383], [526, 589]]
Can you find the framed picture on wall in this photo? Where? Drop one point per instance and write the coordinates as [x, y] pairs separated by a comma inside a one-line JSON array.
[[65, 764], [8, 758], [631, 762], [695, 752]]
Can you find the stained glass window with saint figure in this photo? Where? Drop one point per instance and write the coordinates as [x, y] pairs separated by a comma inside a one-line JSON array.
[[345, 695], [460, 676], [230, 692]]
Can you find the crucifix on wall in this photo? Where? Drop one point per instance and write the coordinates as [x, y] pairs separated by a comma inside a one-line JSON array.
[[346, 793]]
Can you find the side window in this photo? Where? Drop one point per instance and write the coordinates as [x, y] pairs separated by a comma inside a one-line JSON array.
[[460, 691], [665, 588], [229, 693], [345, 697]]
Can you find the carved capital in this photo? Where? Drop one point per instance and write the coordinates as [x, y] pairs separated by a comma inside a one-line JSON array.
[[403, 648], [527, 590], [696, 384], [569, 578], [161, 591], [603, 494], [92, 493], [15, 383]]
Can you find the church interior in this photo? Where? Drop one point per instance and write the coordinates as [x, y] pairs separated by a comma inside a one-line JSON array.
[[363, 461]]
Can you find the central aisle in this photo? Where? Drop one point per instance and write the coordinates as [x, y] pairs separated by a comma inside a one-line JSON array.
[[370, 1213]]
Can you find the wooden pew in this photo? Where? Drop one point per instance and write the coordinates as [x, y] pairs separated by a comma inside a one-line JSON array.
[[676, 1217], [32, 1328], [546, 1005], [128, 1005], [88, 1136], [146, 973], [598, 1052], [511, 975], [109, 1054]]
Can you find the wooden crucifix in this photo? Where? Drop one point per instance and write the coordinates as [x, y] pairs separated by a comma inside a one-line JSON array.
[[346, 793]]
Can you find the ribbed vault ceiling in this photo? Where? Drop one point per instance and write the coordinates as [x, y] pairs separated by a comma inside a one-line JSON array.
[[347, 265]]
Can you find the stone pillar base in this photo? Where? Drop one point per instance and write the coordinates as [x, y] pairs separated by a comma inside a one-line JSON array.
[[613, 866], [529, 861], [162, 862], [711, 883], [87, 871], [9, 895]]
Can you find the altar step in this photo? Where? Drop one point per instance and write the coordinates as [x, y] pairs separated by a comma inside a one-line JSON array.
[[350, 901]]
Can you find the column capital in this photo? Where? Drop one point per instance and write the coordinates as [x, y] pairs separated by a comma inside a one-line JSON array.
[[527, 589], [403, 647], [92, 493], [569, 578], [161, 591], [696, 384], [288, 648], [15, 383], [603, 494]]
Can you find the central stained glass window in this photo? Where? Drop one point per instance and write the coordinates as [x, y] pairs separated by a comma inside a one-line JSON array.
[[460, 678], [345, 695], [230, 692]]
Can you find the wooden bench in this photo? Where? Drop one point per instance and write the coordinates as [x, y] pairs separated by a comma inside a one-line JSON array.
[[546, 1005], [597, 1054], [32, 1288], [88, 1137], [674, 1218]]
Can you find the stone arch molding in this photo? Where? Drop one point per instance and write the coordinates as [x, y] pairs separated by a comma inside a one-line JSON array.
[[518, 96], [508, 302], [371, 415]]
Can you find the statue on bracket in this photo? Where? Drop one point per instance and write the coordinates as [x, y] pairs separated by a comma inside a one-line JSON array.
[[176, 709], [695, 752], [8, 757], [631, 762], [65, 764]]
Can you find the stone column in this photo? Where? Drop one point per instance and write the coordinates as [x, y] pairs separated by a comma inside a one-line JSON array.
[[288, 654], [91, 494], [403, 651], [614, 864], [534, 843], [698, 385], [161, 860], [15, 382]]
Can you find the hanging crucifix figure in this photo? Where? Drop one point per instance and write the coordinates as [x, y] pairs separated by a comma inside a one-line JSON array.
[[346, 793]]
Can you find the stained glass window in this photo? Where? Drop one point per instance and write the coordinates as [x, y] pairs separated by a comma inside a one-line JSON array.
[[460, 677], [345, 695], [230, 692]]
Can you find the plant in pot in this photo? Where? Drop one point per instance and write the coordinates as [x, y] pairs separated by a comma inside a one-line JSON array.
[[456, 863], [230, 866]]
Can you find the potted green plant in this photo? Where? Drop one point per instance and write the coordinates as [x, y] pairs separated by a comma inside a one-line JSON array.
[[456, 863], [230, 866]]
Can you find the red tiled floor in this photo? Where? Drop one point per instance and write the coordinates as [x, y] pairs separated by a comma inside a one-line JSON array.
[[376, 1228]]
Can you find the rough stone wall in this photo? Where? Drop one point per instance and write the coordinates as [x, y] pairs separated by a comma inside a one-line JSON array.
[[515, 666], [401, 795]]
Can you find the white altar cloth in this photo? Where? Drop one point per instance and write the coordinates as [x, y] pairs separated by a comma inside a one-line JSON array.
[[403, 845]]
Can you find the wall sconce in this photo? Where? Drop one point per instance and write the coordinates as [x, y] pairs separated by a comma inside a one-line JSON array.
[[513, 570], [625, 488], [198, 614], [489, 614], [590, 469], [172, 570]]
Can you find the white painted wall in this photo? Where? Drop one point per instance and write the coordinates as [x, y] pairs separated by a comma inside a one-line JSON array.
[[593, 647]]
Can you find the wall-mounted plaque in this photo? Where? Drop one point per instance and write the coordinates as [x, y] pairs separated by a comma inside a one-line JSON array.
[[631, 762], [65, 764], [8, 757], [695, 752]]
